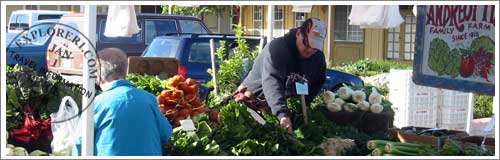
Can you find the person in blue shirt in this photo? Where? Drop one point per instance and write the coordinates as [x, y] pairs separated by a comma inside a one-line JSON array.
[[127, 120]]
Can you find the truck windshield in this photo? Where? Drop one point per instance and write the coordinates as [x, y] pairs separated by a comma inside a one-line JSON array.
[[38, 40]]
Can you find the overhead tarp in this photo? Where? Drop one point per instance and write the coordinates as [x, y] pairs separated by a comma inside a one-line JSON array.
[[302, 8], [375, 16]]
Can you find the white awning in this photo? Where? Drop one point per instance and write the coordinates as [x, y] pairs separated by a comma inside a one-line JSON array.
[[306, 8]]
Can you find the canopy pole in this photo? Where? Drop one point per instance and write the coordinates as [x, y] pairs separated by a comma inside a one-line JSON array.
[[270, 22], [89, 30]]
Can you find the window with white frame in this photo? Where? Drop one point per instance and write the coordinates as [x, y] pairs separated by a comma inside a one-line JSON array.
[[257, 20], [300, 17], [410, 29], [393, 43], [401, 40], [342, 30], [279, 12]]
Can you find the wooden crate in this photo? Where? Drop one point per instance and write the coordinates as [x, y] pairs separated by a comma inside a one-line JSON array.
[[364, 121], [153, 65], [425, 139], [477, 140]]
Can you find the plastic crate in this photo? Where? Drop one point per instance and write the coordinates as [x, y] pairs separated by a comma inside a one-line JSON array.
[[477, 127], [453, 115], [414, 105], [450, 98]]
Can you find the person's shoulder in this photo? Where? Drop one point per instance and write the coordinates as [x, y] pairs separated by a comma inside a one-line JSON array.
[[277, 44], [144, 93], [318, 56], [277, 47]]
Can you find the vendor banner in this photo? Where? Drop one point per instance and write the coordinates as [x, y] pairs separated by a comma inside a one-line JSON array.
[[455, 48]]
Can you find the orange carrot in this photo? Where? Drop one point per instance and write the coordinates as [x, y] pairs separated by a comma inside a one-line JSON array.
[[196, 103], [191, 81], [170, 102], [177, 94], [189, 97]]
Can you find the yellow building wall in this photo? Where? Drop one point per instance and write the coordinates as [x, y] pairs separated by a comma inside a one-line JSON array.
[[246, 18], [49, 7], [374, 44], [329, 56], [289, 18]]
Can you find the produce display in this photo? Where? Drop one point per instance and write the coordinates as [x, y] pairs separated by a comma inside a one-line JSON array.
[[20, 151], [31, 98], [180, 100], [450, 148], [351, 100], [150, 83], [237, 133]]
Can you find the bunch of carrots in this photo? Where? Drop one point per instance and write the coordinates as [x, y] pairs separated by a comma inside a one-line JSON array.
[[180, 100]]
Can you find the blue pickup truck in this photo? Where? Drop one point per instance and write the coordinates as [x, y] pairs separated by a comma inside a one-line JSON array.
[[29, 52], [193, 53]]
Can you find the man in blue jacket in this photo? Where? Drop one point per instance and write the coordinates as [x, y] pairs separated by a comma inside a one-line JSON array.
[[270, 82], [127, 120]]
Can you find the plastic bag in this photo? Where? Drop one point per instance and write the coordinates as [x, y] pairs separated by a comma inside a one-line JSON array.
[[64, 128]]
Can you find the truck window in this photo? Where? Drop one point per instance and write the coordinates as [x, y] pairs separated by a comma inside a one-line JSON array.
[[19, 22], [156, 28], [199, 52], [166, 48], [136, 38], [49, 16], [190, 26]]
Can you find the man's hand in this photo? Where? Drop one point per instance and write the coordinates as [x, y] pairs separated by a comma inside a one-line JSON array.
[[286, 123], [241, 94]]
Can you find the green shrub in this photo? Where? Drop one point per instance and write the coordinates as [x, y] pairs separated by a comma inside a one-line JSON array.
[[368, 67], [483, 106]]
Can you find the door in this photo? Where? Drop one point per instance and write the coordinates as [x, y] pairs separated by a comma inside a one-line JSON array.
[[348, 39]]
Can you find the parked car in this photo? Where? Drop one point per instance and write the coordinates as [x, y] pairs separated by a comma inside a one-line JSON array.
[[193, 53], [152, 25], [23, 19], [30, 53]]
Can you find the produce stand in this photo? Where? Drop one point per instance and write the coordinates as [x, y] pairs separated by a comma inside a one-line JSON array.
[[345, 122]]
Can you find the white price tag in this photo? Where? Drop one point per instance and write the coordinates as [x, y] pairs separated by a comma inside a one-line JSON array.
[[301, 88], [256, 116], [187, 125]]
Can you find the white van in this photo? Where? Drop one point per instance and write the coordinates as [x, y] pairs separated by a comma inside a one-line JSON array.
[[23, 19]]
